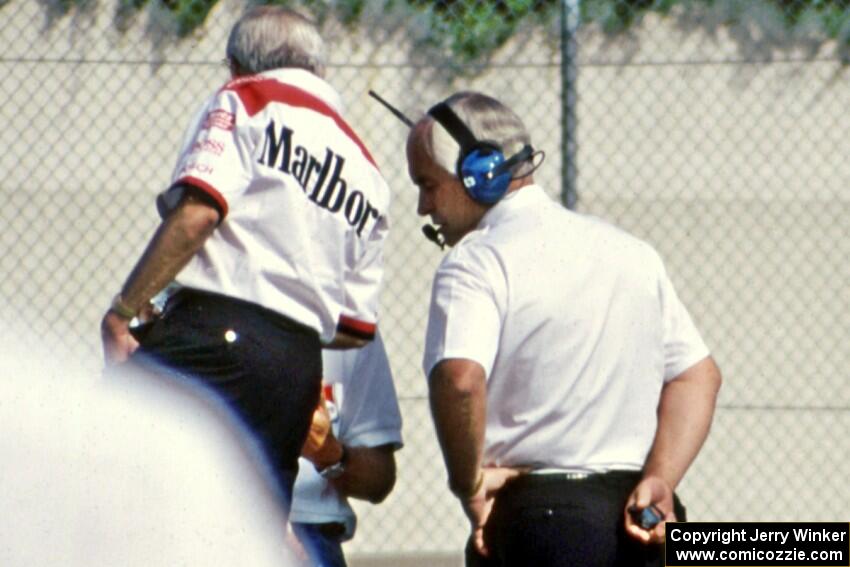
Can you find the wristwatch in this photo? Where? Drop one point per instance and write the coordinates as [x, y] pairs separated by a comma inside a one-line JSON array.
[[335, 470]]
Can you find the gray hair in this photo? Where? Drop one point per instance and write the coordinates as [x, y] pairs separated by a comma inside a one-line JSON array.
[[488, 120], [273, 37]]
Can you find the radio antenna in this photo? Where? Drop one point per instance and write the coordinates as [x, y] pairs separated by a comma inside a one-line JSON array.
[[396, 112]]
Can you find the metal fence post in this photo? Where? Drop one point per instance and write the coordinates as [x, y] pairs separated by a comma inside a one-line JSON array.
[[569, 74]]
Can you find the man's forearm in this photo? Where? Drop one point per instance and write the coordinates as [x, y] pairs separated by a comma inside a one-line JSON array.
[[176, 240], [685, 413], [370, 473], [458, 395]]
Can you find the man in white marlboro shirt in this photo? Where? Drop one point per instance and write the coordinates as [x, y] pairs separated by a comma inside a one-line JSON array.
[[273, 227], [349, 452]]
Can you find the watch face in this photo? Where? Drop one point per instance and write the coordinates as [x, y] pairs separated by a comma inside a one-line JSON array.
[[333, 471]]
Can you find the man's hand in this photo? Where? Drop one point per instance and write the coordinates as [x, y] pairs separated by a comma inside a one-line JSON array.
[[321, 447], [479, 505], [655, 491], [118, 343]]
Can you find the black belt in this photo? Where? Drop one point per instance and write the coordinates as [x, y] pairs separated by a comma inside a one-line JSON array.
[[191, 298], [331, 529], [618, 481], [541, 479]]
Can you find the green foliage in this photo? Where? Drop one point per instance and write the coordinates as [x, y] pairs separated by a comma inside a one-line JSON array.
[[832, 17], [190, 14], [347, 11], [617, 16], [132, 4], [65, 6], [472, 29]]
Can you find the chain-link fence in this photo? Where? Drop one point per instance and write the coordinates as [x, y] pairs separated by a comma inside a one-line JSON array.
[[714, 130]]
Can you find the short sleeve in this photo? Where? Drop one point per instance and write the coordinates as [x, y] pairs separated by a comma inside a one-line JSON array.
[[215, 156], [465, 316], [370, 411], [363, 284], [683, 345]]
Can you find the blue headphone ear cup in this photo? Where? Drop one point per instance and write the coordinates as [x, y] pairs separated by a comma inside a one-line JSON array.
[[476, 174]]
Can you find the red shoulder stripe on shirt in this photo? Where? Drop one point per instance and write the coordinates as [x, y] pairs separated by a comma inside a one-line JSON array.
[[355, 327], [257, 93], [202, 185]]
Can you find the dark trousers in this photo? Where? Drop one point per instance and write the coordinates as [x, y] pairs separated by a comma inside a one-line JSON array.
[[322, 543], [553, 521], [266, 368]]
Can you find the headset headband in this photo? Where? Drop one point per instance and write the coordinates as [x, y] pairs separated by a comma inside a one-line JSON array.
[[443, 113]]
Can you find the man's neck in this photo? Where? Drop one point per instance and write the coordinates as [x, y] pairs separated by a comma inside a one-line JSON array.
[[518, 184]]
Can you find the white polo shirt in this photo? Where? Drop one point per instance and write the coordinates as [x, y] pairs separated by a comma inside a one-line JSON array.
[[577, 327], [304, 206], [364, 412]]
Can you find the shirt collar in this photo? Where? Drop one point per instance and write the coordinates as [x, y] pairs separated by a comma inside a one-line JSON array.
[[527, 197], [307, 81]]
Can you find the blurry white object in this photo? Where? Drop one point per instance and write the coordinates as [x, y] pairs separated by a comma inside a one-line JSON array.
[[124, 470]]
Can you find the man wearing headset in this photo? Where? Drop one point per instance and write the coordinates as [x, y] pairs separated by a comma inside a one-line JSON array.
[[569, 387]]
